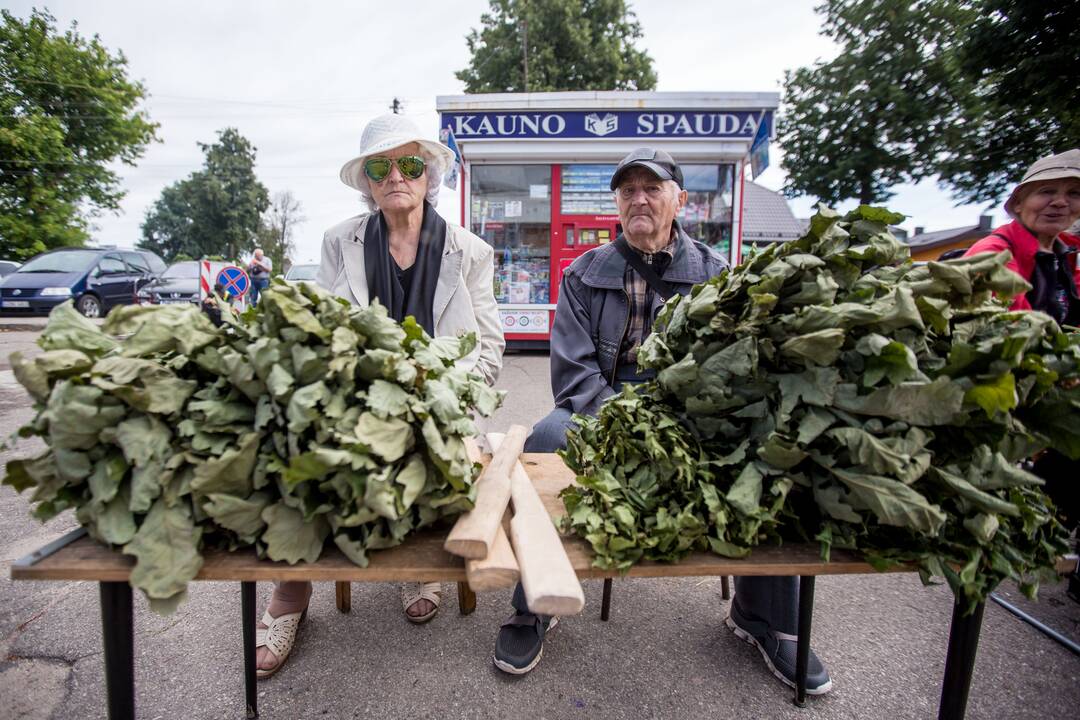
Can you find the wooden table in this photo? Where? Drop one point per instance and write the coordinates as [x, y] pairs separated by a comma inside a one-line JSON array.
[[421, 558]]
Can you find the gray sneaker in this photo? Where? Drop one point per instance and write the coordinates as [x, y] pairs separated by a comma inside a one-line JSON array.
[[778, 649]]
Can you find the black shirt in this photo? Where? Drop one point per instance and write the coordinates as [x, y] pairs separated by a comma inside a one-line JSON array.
[[404, 277]]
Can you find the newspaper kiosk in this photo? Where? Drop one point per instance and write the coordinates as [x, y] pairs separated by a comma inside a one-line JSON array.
[[534, 182]]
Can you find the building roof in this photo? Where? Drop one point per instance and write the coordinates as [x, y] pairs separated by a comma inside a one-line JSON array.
[[928, 240], [767, 217]]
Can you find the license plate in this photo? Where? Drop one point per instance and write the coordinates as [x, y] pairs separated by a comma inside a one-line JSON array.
[[16, 303], [173, 301]]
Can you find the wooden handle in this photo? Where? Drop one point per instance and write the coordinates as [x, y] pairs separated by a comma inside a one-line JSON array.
[[473, 535], [499, 569], [551, 586]]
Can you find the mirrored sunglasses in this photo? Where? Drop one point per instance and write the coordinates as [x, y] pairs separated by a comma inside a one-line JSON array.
[[377, 168]]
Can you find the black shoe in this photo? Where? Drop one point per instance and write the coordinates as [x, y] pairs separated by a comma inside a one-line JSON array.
[[778, 649], [521, 642]]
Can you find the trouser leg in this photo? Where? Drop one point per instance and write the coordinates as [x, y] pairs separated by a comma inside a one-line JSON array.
[[549, 434], [774, 600], [518, 600]]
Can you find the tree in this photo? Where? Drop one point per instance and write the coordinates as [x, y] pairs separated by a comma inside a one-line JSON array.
[[214, 211], [67, 111], [1022, 60], [279, 223], [876, 115], [557, 45]]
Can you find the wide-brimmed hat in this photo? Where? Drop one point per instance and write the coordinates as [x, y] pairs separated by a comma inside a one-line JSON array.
[[1052, 167], [658, 162], [385, 133]]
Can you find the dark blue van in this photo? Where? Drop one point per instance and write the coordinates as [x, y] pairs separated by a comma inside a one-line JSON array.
[[97, 279]]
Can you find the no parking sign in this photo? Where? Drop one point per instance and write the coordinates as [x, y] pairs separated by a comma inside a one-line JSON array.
[[235, 281]]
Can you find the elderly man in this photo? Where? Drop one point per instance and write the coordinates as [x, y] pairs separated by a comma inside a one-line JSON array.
[[608, 300], [259, 268]]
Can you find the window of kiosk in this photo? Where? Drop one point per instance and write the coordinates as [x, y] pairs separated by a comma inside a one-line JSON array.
[[707, 214], [586, 190], [511, 211]]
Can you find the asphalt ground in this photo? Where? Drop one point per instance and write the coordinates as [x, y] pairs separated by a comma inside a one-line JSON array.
[[664, 653]]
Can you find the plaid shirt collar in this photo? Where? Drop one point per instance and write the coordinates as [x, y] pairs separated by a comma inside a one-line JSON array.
[[640, 296]]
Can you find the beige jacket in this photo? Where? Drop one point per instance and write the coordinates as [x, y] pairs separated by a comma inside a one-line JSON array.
[[464, 295]]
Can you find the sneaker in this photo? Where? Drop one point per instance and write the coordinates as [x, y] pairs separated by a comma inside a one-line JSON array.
[[778, 649], [521, 642]]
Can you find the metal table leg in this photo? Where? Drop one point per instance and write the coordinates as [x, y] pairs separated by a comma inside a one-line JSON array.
[[247, 618], [960, 662], [118, 638], [802, 650], [605, 603]]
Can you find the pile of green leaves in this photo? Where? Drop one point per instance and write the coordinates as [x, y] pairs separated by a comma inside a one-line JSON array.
[[303, 420], [829, 388]]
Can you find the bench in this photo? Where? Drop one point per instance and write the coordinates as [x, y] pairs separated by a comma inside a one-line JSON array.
[[422, 558]]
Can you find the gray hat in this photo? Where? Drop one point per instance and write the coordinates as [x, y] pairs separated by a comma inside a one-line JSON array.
[[658, 162], [1052, 167]]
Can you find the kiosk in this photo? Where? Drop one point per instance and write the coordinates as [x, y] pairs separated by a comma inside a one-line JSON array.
[[534, 182]]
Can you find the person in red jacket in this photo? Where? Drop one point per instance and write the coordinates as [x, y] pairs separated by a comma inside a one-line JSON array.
[[1043, 206]]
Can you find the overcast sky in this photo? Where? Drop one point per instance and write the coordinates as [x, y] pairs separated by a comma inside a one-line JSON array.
[[301, 84]]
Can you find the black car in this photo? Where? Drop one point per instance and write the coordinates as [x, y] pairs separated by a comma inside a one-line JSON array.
[[178, 284], [97, 279]]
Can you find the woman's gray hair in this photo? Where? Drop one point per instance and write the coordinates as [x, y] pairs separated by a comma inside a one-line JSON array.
[[433, 172]]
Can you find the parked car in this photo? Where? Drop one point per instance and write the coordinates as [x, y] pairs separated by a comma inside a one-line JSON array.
[[178, 284], [7, 267], [302, 273], [97, 279]]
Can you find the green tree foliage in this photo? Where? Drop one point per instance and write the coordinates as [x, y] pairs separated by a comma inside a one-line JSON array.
[[278, 226], [67, 111], [571, 45], [972, 91], [1022, 59], [214, 211], [873, 117]]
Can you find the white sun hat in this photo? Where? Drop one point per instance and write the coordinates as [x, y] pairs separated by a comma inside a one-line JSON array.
[[385, 133]]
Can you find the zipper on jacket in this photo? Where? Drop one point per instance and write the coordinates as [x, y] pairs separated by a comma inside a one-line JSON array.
[[622, 337]]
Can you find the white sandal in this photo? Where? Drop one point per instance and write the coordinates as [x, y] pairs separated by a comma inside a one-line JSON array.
[[279, 636], [411, 593]]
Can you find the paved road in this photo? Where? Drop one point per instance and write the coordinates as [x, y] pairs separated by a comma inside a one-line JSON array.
[[664, 653]]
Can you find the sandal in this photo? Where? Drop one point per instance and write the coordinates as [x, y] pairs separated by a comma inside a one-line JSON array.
[[411, 593], [279, 636]]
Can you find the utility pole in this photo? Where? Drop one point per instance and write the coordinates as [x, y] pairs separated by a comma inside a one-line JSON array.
[[525, 40], [397, 106]]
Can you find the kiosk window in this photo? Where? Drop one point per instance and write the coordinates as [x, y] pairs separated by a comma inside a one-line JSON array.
[[586, 190], [511, 211], [707, 214]]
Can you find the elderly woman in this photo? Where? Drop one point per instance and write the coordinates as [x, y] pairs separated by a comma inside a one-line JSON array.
[[413, 262], [1043, 206]]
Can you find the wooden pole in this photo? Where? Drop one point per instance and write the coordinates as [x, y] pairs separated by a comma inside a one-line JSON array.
[[551, 586], [473, 535], [499, 569]]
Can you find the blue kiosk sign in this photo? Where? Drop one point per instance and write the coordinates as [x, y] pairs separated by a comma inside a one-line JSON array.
[[667, 124]]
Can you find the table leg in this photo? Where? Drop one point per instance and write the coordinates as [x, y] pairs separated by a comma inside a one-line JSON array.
[[725, 588], [343, 595], [118, 638], [466, 598], [802, 650], [247, 617], [960, 662], [605, 603]]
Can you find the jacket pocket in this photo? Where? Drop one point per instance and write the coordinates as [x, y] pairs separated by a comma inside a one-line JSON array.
[[606, 350]]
